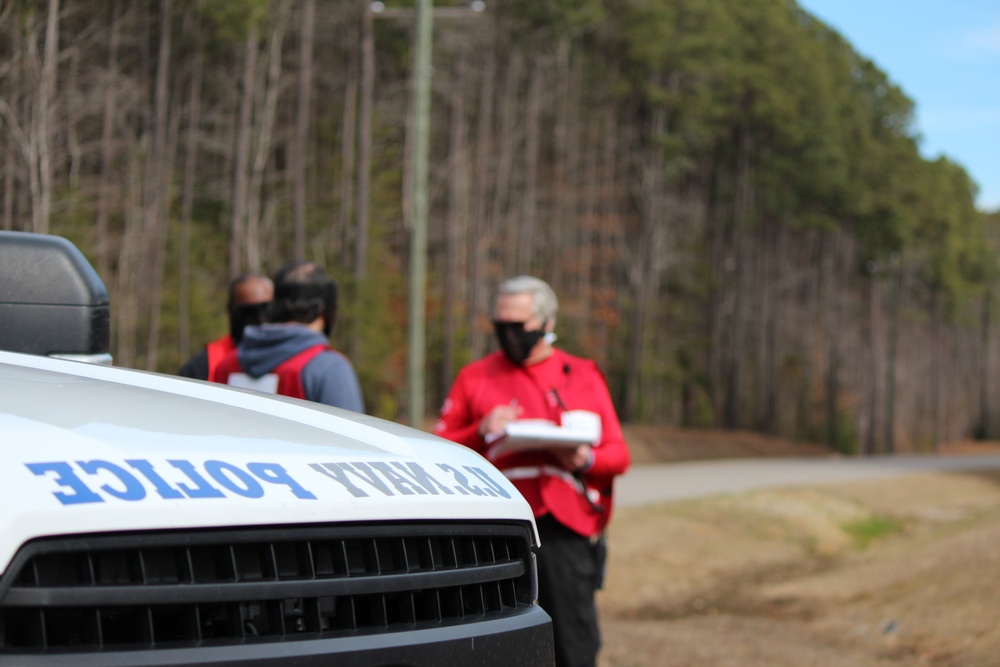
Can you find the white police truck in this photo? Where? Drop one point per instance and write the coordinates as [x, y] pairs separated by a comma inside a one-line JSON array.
[[153, 520]]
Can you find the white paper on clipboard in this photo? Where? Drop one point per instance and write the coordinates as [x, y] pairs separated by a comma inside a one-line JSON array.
[[579, 427]]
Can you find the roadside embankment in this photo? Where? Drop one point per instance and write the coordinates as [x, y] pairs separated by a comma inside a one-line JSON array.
[[895, 570]]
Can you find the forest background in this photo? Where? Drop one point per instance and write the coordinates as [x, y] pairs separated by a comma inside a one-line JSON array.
[[729, 200]]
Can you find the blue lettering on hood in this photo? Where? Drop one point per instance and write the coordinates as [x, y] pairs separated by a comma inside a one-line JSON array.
[[132, 480]]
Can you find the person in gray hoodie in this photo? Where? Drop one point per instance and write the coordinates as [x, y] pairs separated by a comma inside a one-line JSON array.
[[291, 355]]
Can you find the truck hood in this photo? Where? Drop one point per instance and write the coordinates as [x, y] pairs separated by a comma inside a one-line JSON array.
[[92, 449]]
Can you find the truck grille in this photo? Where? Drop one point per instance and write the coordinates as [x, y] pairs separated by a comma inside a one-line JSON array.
[[201, 588]]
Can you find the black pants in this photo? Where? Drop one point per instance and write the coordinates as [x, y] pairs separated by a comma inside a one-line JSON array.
[[567, 578]]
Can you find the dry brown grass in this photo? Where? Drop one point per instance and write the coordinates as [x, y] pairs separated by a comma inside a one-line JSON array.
[[888, 572]]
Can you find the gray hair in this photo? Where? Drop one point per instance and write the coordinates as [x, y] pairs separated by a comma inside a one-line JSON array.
[[544, 298]]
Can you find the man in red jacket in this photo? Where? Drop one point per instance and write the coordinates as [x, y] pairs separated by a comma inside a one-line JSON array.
[[569, 488]]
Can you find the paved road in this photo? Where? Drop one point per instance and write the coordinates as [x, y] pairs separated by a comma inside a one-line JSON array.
[[647, 484]]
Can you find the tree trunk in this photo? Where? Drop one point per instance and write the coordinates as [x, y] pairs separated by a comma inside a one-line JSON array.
[[937, 317], [348, 194], [734, 353], [480, 294], [871, 441], [9, 179], [890, 358], [365, 143], [302, 125], [772, 296], [46, 118], [648, 266], [457, 215], [72, 89], [647, 261], [30, 111], [102, 237], [241, 163], [187, 196], [588, 226], [985, 430], [508, 244], [527, 227], [810, 322], [129, 276], [564, 168], [605, 235], [264, 131], [157, 188], [160, 257], [14, 141]]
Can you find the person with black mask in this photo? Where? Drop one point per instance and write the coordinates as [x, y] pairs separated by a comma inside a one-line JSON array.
[[569, 488], [250, 295], [290, 354]]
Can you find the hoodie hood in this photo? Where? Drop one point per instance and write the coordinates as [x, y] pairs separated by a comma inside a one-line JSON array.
[[264, 347]]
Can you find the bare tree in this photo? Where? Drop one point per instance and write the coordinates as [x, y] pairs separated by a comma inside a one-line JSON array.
[[348, 161], [562, 139], [15, 143], [263, 132], [157, 186], [935, 382], [298, 166], [244, 139], [588, 225], [102, 237], [480, 293], [498, 228], [892, 346], [457, 219], [734, 352], [365, 143], [605, 234], [187, 195], [526, 229], [7, 143], [46, 117], [986, 326], [647, 259]]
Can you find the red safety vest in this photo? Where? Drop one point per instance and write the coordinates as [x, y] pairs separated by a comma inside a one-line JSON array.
[[289, 372], [217, 350]]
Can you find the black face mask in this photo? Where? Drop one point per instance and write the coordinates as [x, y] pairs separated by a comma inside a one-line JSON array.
[[241, 316], [515, 342]]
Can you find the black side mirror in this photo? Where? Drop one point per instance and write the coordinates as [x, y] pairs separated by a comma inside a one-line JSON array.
[[52, 302]]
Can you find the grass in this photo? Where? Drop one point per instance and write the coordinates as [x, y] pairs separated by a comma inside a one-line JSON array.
[[865, 531]]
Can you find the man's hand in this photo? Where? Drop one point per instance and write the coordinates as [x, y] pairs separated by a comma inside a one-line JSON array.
[[495, 422], [574, 460]]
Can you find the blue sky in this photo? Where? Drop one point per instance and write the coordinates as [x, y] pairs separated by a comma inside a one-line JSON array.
[[945, 55]]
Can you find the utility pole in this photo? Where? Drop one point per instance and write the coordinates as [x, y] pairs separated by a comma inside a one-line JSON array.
[[419, 202], [418, 198]]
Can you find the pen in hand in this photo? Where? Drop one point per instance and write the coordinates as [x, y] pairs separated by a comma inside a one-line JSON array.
[[494, 425]]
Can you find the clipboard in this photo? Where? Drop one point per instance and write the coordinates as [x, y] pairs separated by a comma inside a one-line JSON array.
[[579, 427]]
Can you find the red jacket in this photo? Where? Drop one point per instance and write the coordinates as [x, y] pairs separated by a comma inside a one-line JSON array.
[[538, 389]]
